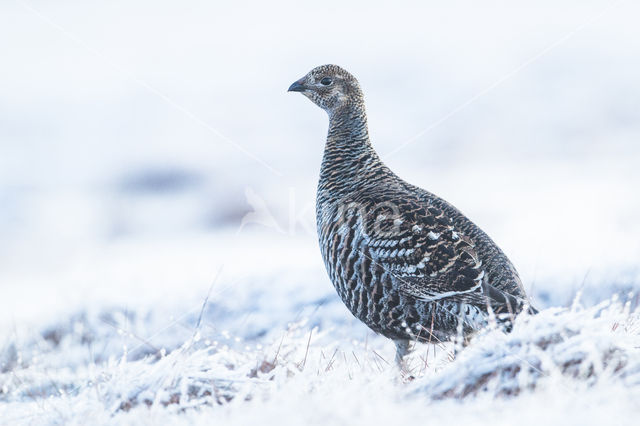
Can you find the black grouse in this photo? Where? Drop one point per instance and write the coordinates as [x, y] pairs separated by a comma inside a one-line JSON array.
[[405, 262]]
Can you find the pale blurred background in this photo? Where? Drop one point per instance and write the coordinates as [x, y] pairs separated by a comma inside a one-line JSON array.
[[131, 133]]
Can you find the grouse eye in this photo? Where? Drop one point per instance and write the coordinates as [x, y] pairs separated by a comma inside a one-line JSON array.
[[326, 81]]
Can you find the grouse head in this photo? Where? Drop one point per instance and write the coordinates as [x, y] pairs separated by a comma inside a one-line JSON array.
[[330, 87]]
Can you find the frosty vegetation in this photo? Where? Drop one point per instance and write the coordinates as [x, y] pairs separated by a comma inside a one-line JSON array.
[[97, 365]]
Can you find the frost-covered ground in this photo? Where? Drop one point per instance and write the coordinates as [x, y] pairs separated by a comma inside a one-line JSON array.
[[274, 345], [158, 262]]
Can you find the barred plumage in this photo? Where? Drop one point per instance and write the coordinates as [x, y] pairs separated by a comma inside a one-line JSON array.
[[405, 262]]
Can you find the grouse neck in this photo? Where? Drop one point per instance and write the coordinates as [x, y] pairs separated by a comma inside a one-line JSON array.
[[348, 124], [348, 138], [349, 157]]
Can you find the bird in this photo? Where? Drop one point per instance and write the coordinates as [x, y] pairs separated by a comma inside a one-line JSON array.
[[404, 261]]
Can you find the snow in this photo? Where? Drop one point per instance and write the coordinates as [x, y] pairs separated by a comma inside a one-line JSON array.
[[273, 343], [158, 256], [126, 366]]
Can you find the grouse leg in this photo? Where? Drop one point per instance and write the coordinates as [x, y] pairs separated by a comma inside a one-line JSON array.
[[402, 349]]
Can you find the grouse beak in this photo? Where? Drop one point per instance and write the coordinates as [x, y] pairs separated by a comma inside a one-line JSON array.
[[298, 86]]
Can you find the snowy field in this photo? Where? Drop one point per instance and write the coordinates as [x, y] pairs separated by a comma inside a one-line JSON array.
[[158, 257]]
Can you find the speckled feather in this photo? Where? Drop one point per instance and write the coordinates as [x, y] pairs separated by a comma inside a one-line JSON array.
[[404, 261]]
